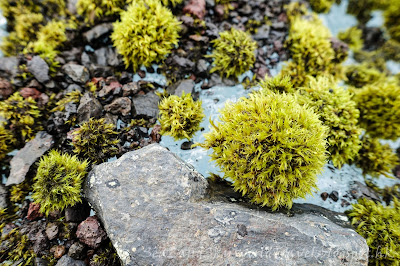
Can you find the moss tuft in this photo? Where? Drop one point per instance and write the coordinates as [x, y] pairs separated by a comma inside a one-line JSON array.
[[379, 106], [270, 146], [92, 9], [146, 33], [58, 181], [180, 117], [95, 140], [392, 18], [361, 75], [375, 158], [353, 37], [321, 6], [234, 53], [6, 141], [278, 84]]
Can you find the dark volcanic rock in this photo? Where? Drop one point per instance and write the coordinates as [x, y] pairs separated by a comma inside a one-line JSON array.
[[9, 66], [39, 69], [89, 107], [186, 86], [52, 231], [6, 89], [24, 159], [90, 232], [186, 145], [196, 8], [3, 196], [122, 105], [98, 32], [76, 251], [130, 89], [324, 195], [78, 212], [30, 92], [77, 73], [68, 261], [360, 190], [157, 212], [334, 195], [33, 212], [146, 105]]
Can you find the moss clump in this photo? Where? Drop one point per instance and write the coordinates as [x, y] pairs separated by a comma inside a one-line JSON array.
[[278, 84], [6, 141], [92, 9], [379, 225], [321, 6], [180, 117], [22, 115], [392, 18], [19, 192], [362, 9], [339, 113], [58, 181], [295, 10], [270, 146], [376, 159], [146, 33], [379, 106], [391, 50], [353, 37], [16, 247], [311, 56], [234, 53], [361, 75], [71, 97], [95, 140]]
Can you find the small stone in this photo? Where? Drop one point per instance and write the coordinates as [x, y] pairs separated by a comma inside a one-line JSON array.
[[196, 8], [186, 145], [41, 243], [6, 89], [130, 89], [76, 251], [186, 86], [90, 232], [27, 156], [78, 212], [97, 32], [30, 92], [52, 231], [146, 105], [68, 261], [142, 74], [122, 105], [324, 195], [33, 211], [88, 107], [3, 196], [201, 67], [155, 135], [334, 195], [345, 203], [77, 73], [9, 66], [41, 262], [58, 251]]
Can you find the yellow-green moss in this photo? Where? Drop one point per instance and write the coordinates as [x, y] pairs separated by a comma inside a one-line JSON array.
[[391, 50], [270, 146], [92, 9], [353, 37], [339, 113], [392, 18], [180, 117], [58, 181], [379, 106], [234, 53], [6, 141], [95, 140], [321, 6], [146, 33], [278, 84], [361, 75], [375, 158], [379, 225]]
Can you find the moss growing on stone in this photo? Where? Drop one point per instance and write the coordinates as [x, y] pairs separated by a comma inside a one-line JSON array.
[[321, 6], [375, 158], [95, 140], [353, 37], [180, 117], [379, 106], [71, 97], [234, 53], [92, 9], [58, 181], [146, 33], [361, 75], [339, 113], [270, 146], [22, 115], [379, 225]]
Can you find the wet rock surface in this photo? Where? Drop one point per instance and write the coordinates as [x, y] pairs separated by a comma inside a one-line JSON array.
[[27, 156], [160, 211]]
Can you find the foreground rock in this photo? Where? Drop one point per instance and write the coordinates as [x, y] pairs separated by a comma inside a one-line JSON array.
[[157, 210]]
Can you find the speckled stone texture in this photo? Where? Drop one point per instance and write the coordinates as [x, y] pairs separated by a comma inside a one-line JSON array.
[[156, 210]]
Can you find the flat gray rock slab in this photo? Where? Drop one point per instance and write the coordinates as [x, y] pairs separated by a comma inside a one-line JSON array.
[[23, 160], [155, 210]]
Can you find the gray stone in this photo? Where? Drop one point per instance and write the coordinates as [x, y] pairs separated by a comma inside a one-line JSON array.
[[186, 86], [122, 105], [146, 105], [27, 156], [76, 251], [3, 196], [157, 211], [68, 261], [130, 89], [77, 73], [9, 65], [39, 69], [89, 107], [41, 262], [98, 31]]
